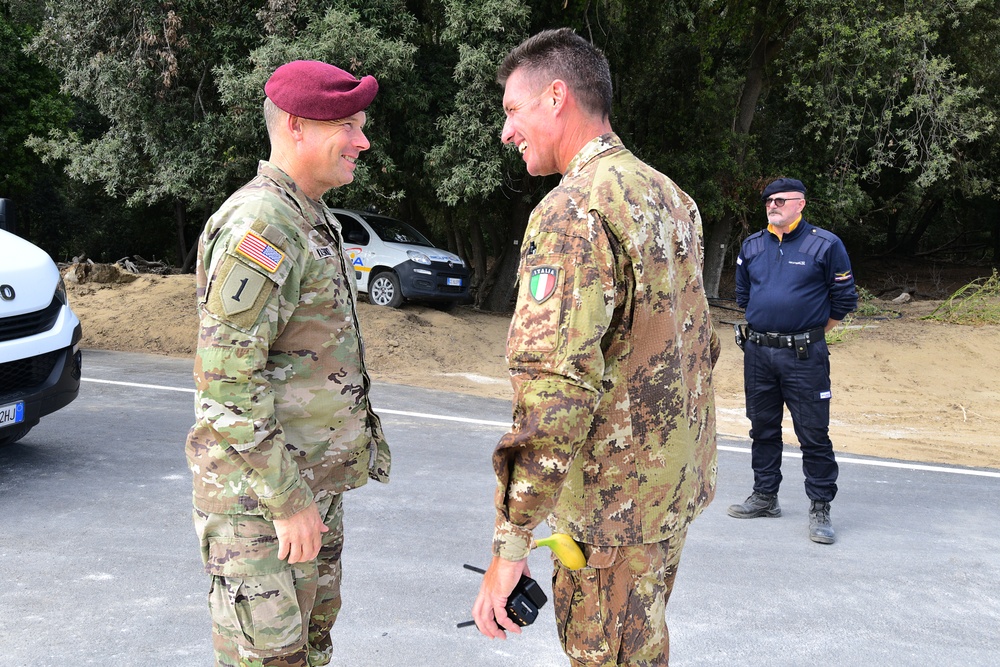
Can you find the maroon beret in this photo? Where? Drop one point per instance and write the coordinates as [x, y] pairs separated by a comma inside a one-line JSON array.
[[319, 91]]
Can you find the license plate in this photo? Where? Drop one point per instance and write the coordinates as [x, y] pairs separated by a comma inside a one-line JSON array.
[[11, 414], [454, 282]]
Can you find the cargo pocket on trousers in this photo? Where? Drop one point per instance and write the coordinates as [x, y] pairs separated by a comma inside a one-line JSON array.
[[581, 610], [257, 609], [813, 383]]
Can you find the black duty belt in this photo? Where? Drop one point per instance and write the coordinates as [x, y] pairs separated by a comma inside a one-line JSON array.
[[792, 340]]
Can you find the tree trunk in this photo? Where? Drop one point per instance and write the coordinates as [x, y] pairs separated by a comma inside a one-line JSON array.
[[892, 232], [996, 235], [190, 259], [456, 243], [501, 282], [717, 235], [912, 240], [478, 247], [718, 232], [179, 222]]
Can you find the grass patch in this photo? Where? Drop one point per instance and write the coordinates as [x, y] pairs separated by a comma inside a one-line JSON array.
[[868, 305], [975, 303], [846, 329], [868, 308]]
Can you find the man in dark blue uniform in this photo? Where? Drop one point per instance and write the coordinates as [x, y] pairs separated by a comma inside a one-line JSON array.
[[795, 282]]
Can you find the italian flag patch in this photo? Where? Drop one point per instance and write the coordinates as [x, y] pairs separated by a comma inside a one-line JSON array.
[[543, 282]]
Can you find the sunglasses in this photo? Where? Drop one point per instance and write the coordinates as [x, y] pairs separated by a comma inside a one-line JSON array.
[[778, 201]]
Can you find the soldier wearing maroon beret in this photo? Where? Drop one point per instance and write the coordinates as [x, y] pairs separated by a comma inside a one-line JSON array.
[[315, 115], [283, 422]]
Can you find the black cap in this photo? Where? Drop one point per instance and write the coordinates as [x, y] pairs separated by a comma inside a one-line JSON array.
[[783, 185]]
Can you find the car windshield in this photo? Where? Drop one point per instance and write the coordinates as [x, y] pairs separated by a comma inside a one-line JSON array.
[[395, 231]]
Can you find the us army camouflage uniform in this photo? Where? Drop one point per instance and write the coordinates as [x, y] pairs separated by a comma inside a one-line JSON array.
[[282, 418], [611, 350]]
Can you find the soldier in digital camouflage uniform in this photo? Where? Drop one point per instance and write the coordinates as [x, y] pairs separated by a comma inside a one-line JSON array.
[[283, 421], [611, 350]]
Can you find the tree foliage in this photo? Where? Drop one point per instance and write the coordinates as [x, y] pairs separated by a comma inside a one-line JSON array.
[[884, 108]]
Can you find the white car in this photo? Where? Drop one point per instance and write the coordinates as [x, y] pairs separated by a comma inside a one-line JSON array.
[[394, 262], [40, 359]]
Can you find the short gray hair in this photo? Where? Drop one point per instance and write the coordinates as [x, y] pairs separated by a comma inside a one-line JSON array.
[[271, 114], [562, 54]]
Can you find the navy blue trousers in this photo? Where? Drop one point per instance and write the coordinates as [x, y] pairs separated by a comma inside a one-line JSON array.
[[772, 378]]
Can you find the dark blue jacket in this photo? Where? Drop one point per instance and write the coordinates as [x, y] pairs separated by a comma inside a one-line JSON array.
[[797, 283]]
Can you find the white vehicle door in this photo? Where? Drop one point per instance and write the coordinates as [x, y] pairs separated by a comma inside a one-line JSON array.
[[358, 248]]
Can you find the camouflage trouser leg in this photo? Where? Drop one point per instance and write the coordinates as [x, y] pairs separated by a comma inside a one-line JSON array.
[[613, 612], [265, 612], [329, 570]]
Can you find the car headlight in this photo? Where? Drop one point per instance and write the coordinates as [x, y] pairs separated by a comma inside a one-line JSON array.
[[61, 292], [418, 257]]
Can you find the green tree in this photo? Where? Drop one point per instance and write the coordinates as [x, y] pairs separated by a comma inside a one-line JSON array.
[[883, 107], [147, 68], [362, 37], [468, 165], [30, 102], [723, 96]]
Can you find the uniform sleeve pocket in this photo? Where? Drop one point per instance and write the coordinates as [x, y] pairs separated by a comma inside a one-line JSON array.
[[537, 322], [226, 400]]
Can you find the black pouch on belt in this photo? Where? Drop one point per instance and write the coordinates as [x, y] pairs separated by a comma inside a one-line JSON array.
[[741, 334], [801, 342]]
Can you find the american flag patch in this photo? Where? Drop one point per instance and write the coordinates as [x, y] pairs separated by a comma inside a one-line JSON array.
[[259, 251]]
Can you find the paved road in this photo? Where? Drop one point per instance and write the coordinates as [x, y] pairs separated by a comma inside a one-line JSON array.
[[99, 564]]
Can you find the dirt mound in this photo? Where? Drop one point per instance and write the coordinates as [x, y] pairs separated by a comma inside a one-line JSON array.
[[903, 387]]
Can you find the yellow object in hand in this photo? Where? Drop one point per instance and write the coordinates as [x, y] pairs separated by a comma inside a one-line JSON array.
[[566, 550]]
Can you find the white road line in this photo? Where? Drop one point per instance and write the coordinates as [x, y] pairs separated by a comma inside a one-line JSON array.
[[724, 448], [136, 384], [402, 413], [424, 415], [882, 464]]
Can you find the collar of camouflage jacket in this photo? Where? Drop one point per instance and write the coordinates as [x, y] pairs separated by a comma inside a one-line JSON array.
[[593, 149]]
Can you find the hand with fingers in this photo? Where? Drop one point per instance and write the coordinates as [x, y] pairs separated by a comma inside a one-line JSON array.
[[490, 607], [300, 536]]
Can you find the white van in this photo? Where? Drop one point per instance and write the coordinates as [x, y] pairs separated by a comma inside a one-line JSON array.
[[394, 262], [40, 360]]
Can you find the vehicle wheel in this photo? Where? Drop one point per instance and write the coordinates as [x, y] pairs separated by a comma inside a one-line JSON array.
[[383, 290], [12, 434]]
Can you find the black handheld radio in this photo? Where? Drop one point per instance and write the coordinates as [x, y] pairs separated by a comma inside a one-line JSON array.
[[524, 601]]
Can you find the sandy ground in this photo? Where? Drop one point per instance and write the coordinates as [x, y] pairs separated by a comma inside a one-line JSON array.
[[903, 388]]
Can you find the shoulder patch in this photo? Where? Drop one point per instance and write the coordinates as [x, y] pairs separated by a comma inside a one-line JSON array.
[[240, 289], [753, 245], [825, 234], [238, 293], [815, 245], [542, 282], [260, 251]]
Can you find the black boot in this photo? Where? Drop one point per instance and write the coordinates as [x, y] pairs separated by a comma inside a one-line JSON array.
[[820, 528], [758, 504]]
